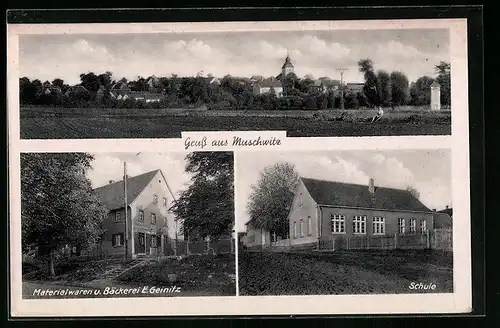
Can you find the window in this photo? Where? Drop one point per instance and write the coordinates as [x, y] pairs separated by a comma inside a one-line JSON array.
[[153, 218], [251, 239], [141, 216], [117, 216], [141, 239], [378, 225], [413, 225], [359, 224], [301, 199], [423, 225], [295, 230], [155, 199], [117, 240], [338, 223], [165, 221], [153, 240], [401, 225], [301, 228], [164, 201], [309, 226]]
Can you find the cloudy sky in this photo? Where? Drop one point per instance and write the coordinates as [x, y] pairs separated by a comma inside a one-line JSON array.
[[320, 53], [429, 171], [109, 166]]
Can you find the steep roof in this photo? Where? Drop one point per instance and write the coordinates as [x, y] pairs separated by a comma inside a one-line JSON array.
[[435, 85], [287, 62], [138, 94], [354, 195], [112, 195]]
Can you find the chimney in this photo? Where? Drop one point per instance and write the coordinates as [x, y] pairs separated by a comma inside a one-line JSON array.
[[371, 186], [447, 207], [111, 181]]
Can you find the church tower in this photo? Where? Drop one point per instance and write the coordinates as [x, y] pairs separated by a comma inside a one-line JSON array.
[[287, 67]]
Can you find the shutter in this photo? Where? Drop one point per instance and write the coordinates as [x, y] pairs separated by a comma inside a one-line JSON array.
[[122, 238], [113, 240]]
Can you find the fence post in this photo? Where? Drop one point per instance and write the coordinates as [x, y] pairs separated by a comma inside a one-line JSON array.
[[428, 238], [396, 240]]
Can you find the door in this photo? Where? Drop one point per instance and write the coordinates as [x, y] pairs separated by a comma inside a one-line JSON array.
[[141, 243]]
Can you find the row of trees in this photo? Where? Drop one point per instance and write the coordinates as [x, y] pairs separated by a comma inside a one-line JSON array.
[[380, 88], [59, 206], [384, 89]]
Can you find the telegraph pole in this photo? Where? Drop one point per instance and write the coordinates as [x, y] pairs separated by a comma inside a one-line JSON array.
[[342, 71], [126, 210]]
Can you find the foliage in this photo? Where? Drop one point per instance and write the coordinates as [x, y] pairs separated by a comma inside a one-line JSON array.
[[272, 197], [400, 89], [234, 93], [58, 205], [206, 207], [443, 69], [420, 91], [413, 191]]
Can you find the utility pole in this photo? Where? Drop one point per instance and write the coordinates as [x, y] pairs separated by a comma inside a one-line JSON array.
[[126, 205], [342, 71]]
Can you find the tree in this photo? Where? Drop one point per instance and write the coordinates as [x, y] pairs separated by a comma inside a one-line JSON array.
[[272, 197], [370, 88], [58, 205], [90, 81], [420, 91], [28, 91], [384, 88], [415, 193], [400, 88], [443, 69], [206, 207]]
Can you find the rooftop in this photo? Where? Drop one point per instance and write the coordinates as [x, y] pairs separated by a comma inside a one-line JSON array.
[[355, 195]]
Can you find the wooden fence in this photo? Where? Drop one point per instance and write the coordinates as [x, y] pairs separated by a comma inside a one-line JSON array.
[[433, 239], [221, 246]]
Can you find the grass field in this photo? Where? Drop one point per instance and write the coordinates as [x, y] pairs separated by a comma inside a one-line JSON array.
[[353, 272], [85, 123]]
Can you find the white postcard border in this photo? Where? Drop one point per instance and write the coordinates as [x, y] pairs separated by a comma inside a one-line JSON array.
[[459, 301]]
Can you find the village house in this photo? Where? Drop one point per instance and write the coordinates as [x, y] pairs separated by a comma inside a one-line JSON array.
[[326, 210], [152, 229], [145, 96]]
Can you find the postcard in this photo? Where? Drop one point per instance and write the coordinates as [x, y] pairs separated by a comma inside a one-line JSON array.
[[239, 168]]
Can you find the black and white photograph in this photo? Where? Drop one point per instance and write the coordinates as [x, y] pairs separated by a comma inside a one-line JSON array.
[[309, 83], [127, 225], [344, 222]]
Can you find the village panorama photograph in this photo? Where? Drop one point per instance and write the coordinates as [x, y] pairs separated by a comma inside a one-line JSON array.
[[127, 225], [344, 222], [308, 83]]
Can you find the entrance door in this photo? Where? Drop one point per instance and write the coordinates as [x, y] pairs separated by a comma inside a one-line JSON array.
[[141, 249]]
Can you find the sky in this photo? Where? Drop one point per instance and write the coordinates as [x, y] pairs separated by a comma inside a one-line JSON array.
[[319, 53], [429, 171], [109, 166]]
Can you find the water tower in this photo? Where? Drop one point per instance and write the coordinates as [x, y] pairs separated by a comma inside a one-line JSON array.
[[435, 96]]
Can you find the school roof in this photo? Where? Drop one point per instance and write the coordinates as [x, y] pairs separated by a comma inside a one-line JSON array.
[[112, 194], [354, 195]]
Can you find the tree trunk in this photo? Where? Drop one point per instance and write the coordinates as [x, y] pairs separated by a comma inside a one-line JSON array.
[[52, 272]]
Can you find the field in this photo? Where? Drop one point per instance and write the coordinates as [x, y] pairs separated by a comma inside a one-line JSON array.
[[89, 123], [353, 272]]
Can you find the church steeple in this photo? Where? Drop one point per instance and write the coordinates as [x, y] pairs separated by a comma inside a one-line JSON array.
[[287, 67]]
